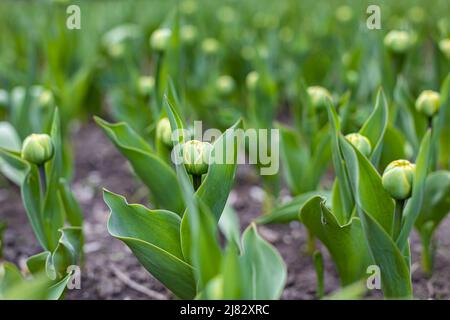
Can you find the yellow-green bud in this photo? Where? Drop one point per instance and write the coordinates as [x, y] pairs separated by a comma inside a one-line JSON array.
[[399, 41], [398, 179], [252, 80], [352, 77], [159, 40], [225, 84], [146, 85], [360, 142], [188, 7], [428, 103], [444, 45], [417, 14], [164, 132], [45, 98], [210, 46], [196, 156], [188, 34], [37, 148], [344, 13], [226, 14], [319, 96]]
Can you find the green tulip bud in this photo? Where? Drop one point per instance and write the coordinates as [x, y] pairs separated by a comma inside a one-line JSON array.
[[164, 132], [146, 85], [319, 96], [399, 41], [417, 14], [225, 84], [37, 148], [344, 13], [196, 157], [188, 7], [45, 98], [159, 40], [352, 77], [252, 80], [428, 103], [210, 46], [360, 142], [398, 179], [188, 34], [444, 45]]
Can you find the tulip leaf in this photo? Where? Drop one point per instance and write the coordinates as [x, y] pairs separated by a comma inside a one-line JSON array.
[[346, 243], [264, 270], [369, 192], [10, 140], [156, 174], [414, 205], [288, 212], [375, 127], [154, 237], [395, 274]]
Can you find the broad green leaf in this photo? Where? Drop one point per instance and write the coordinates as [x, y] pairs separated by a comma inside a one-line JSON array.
[[157, 175], [295, 158], [414, 205], [229, 225], [154, 238], [14, 287], [436, 201], [346, 243], [395, 275], [369, 192], [346, 198], [289, 211], [12, 166], [375, 127], [394, 145], [264, 270], [72, 209]]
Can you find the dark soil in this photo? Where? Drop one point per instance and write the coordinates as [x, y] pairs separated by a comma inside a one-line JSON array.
[[112, 272]]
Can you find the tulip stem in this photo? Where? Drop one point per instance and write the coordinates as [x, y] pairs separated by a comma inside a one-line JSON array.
[[43, 179], [398, 216], [197, 180]]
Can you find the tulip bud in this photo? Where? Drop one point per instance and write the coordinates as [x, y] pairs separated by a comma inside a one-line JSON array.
[[398, 179], [159, 40], [188, 34], [196, 157], [428, 103], [344, 13], [399, 41], [319, 96], [37, 148], [225, 84], [444, 45], [45, 98], [210, 46], [164, 132], [360, 142], [252, 80], [146, 84]]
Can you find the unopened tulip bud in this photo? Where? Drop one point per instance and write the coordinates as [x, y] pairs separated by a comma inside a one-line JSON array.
[[398, 179], [318, 96], [37, 148], [188, 34], [252, 80], [210, 46], [398, 41], [444, 45], [164, 132], [159, 40], [225, 84], [428, 103], [196, 156], [360, 142], [146, 85], [45, 98]]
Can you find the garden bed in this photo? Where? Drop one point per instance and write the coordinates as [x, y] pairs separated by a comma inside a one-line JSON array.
[[110, 270]]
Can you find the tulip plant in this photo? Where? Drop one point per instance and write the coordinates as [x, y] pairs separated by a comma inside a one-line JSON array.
[[52, 209], [191, 203]]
